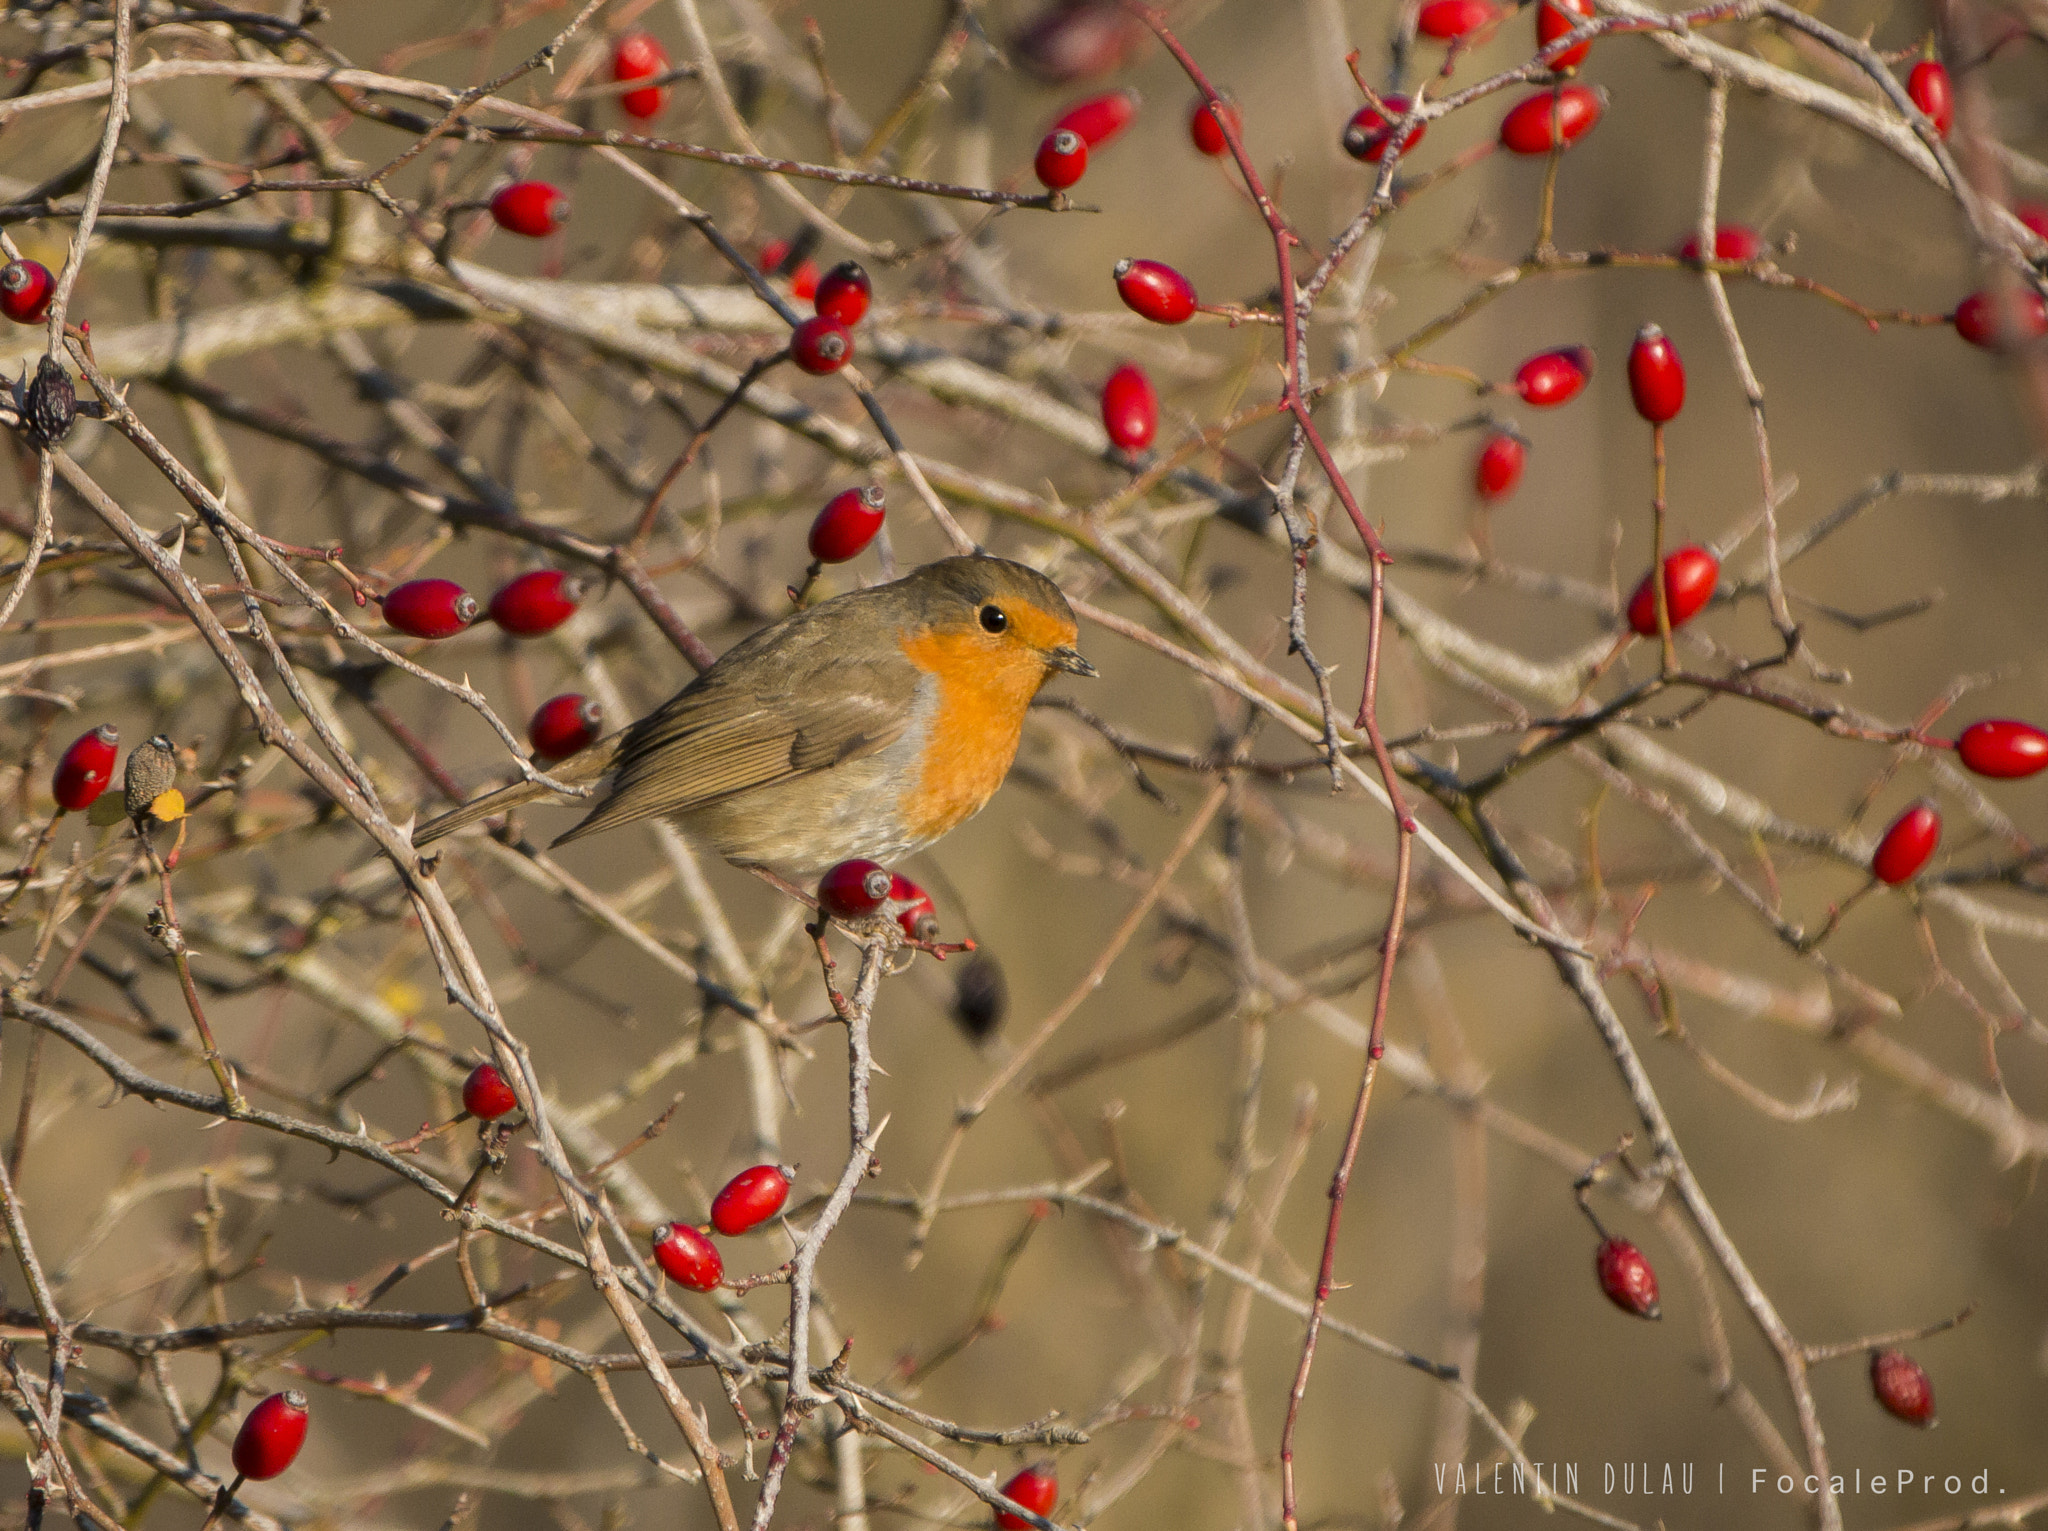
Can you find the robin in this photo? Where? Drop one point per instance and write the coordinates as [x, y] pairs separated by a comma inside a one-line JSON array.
[[867, 725]]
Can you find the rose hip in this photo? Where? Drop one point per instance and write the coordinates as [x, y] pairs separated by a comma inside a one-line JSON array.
[[919, 916], [1206, 132], [1996, 318], [26, 288], [1557, 18], [1155, 291], [563, 725], [637, 56], [1934, 93], [532, 208], [271, 1435], [847, 524], [1732, 242], [1499, 468], [1037, 1488], [485, 1095], [1062, 159], [1130, 409], [844, 293], [1552, 119], [688, 1257], [1907, 844], [1449, 20], [1369, 131], [1626, 1278], [2004, 748], [1690, 575], [820, 345], [84, 769], [1100, 120], [802, 276], [853, 890], [1551, 378], [749, 1199], [536, 603], [1902, 1387], [430, 608], [1656, 377]]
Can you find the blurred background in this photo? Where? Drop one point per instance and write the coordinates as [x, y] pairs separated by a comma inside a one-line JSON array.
[[1204, 1086]]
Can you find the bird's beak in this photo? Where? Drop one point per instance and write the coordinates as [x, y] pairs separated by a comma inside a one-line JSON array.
[[1067, 657]]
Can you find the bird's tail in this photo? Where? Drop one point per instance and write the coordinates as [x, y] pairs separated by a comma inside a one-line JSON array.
[[584, 766]]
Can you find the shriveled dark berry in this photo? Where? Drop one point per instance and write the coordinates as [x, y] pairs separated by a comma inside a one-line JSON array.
[[50, 407]]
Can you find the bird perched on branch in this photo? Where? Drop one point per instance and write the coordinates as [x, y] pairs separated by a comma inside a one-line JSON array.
[[867, 725]]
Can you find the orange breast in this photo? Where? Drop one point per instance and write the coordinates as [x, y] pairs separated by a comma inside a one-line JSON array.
[[984, 687]]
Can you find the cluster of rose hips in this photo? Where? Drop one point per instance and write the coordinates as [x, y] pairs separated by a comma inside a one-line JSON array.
[[859, 890], [823, 343], [530, 605], [1896, 1379], [686, 1254]]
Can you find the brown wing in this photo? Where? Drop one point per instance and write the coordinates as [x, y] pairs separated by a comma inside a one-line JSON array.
[[753, 725], [586, 766]]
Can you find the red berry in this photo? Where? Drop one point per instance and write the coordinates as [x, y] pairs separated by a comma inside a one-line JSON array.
[[749, 1199], [271, 1435], [1626, 1278], [1449, 20], [1077, 40], [430, 608], [844, 293], [1555, 18], [688, 1257], [1934, 93], [1499, 468], [1552, 119], [802, 277], [1037, 1488], [536, 603], [485, 1095], [2003, 747], [637, 56], [1732, 242], [1907, 844], [1100, 120], [1656, 377], [853, 890], [1996, 318], [820, 345], [847, 524], [1550, 378], [919, 916], [2033, 214], [26, 288], [1155, 291], [532, 208], [1902, 1387], [1062, 159], [84, 769], [1368, 133], [564, 724], [1130, 409], [1690, 576], [1207, 132]]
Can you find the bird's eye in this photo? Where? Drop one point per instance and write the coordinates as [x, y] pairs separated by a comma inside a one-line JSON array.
[[993, 619]]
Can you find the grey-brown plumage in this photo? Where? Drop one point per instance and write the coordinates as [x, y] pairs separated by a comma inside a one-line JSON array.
[[786, 752], [152, 771]]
